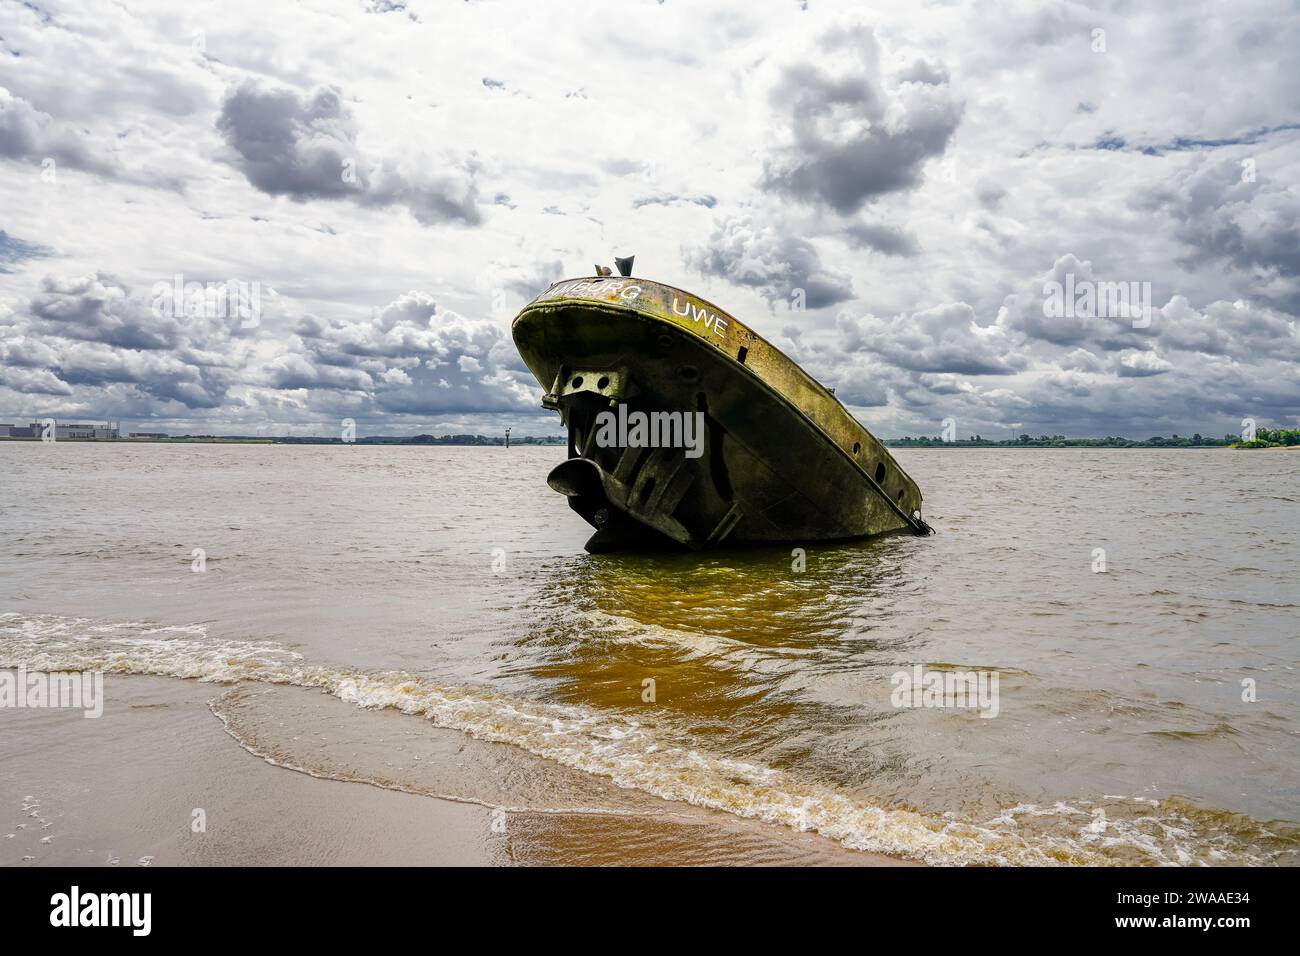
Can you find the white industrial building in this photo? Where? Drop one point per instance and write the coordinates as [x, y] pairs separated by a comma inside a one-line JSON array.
[[64, 431]]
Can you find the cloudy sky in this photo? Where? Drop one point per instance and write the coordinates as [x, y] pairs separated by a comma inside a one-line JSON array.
[[389, 182]]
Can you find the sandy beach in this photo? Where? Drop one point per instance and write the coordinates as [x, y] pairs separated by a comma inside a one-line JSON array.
[[125, 791]]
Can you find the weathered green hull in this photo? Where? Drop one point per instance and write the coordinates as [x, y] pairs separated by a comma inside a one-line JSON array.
[[782, 460]]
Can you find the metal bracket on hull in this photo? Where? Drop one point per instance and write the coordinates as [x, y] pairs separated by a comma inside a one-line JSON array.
[[611, 384], [725, 526], [551, 400]]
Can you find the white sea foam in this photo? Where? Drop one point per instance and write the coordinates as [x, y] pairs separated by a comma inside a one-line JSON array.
[[629, 752]]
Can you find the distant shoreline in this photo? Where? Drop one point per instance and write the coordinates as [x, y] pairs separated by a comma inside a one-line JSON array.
[[1174, 442], [1263, 438], [457, 440]]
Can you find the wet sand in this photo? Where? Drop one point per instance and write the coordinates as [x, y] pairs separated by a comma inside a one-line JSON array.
[[124, 792]]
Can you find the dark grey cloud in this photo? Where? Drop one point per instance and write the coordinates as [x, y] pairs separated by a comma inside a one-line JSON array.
[[306, 148], [98, 308], [1240, 211], [91, 337], [292, 147], [1240, 332], [31, 136], [1086, 374], [852, 138], [861, 387], [942, 339], [1192, 396], [1025, 313], [774, 262], [409, 358], [433, 194], [888, 240], [157, 376], [90, 333]]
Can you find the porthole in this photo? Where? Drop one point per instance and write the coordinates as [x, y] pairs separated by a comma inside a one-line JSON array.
[[880, 472]]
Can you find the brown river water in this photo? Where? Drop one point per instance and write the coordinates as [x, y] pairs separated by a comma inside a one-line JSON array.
[[1147, 714]]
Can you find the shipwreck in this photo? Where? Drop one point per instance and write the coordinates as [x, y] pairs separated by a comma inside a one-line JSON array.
[[687, 428]]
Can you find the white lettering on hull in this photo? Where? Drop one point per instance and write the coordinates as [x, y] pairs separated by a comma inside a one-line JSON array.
[[711, 321], [606, 289], [592, 288]]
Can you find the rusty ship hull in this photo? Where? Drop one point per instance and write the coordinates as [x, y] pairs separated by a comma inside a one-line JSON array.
[[782, 459]]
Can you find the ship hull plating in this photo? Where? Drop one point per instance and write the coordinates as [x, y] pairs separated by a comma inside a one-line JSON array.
[[738, 444]]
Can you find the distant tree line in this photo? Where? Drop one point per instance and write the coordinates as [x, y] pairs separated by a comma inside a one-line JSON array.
[[1272, 438], [1060, 441]]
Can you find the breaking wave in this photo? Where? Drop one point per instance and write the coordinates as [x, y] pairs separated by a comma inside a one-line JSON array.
[[632, 754]]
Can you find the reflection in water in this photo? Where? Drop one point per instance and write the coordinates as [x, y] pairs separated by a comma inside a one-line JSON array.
[[760, 660]]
